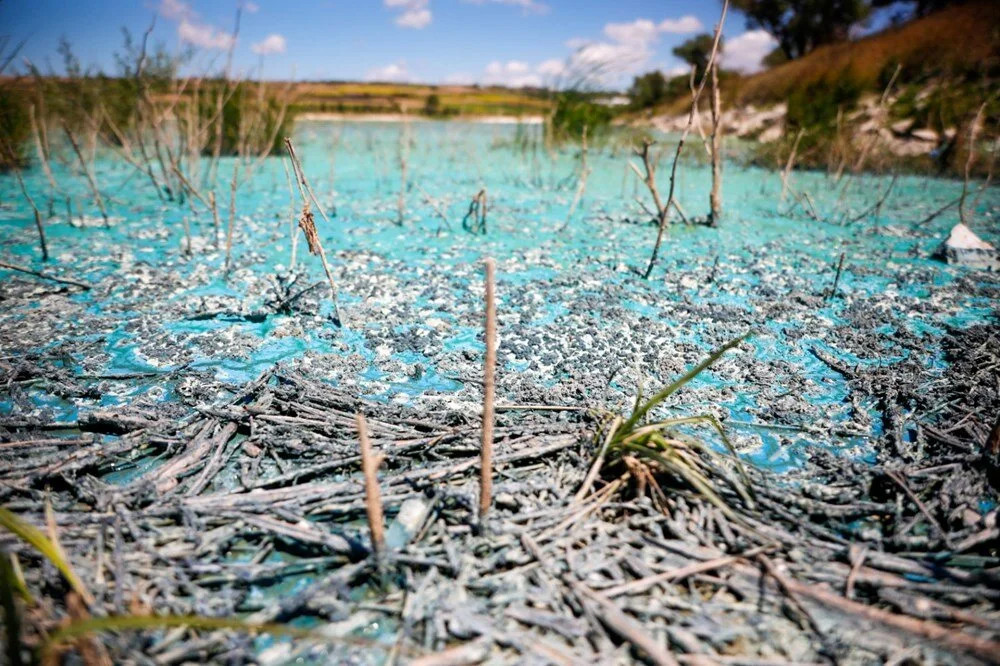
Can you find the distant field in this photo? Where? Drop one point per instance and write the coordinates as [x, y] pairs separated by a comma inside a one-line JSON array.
[[445, 100]]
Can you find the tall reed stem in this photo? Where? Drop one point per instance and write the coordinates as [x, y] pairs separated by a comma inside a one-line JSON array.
[[373, 496], [680, 143], [489, 370], [232, 219]]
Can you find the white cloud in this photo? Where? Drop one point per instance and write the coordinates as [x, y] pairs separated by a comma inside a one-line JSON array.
[[414, 18], [640, 31], [679, 70], [174, 9], [513, 73], [553, 67], [681, 26], [746, 51], [204, 35], [396, 71], [416, 14], [273, 43], [192, 31], [251, 7], [629, 48], [529, 6]]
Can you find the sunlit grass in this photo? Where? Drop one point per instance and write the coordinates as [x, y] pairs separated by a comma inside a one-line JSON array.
[[651, 454]]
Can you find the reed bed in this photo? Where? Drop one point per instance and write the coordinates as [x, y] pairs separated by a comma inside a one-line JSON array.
[[561, 576]]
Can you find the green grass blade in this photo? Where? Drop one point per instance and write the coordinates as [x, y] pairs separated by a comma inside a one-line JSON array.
[[671, 388], [697, 481], [33, 536], [11, 618], [91, 625]]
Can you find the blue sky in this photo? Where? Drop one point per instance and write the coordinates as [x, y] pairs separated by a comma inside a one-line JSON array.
[[514, 42]]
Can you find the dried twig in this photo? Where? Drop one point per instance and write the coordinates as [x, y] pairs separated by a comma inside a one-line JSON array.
[[308, 224], [836, 278], [45, 276], [373, 497], [969, 159], [680, 143], [489, 369], [789, 165]]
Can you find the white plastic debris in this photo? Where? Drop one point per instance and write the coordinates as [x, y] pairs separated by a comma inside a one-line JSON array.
[[965, 248]]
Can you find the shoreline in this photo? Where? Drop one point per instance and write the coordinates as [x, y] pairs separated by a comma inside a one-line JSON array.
[[403, 117]]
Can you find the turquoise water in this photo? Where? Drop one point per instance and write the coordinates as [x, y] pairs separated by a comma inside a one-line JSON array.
[[554, 275]]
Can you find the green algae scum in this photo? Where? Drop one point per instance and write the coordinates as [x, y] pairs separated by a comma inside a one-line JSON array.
[[182, 436]]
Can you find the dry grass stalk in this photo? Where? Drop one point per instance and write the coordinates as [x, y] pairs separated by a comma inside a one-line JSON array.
[[969, 159], [404, 158], [436, 206], [789, 165], [983, 648], [187, 236], [373, 498], [232, 219], [715, 197], [489, 370], [293, 232], [680, 143], [649, 180], [43, 246], [85, 167], [44, 276], [581, 184], [623, 625], [216, 225], [308, 224], [836, 279], [42, 153]]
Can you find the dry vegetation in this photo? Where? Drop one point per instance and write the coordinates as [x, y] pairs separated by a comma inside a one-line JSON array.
[[345, 97], [962, 38]]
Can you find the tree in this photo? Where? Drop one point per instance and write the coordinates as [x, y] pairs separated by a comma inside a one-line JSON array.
[[802, 25], [696, 51], [648, 90], [432, 106], [920, 7]]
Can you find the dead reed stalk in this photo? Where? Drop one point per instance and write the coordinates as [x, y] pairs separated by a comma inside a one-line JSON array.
[[232, 219], [308, 224], [42, 153], [789, 165], [969, 159], [649, 179], [715, 197], [293, 230], [836, 278], [216, 225], [489, 370], [680, 143], [45, 276], [581, 184], [373, 497], [42, 245], [404, 158], [437, 208], [87, 174]]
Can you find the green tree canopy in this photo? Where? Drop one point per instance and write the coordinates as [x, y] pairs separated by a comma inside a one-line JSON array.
[[648, 90], [696, 51], [802, 25]]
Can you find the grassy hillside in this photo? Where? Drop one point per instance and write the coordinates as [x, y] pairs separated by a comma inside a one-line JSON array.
[[961, 41]]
